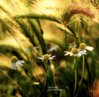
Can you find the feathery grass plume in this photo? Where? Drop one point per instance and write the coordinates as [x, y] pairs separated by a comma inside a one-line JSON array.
[[8, 21], [26, 30], [76, 8], [15, 38], [15, 7], [32, 9], [44, 9], [50, 7]]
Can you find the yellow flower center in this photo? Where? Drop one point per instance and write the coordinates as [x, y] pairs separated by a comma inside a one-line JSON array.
[[14, 59], [74, 50], [46, 57], [82, 46]]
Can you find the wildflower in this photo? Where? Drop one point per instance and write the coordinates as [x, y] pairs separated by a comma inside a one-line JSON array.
[[79, 52], [55, 48], [75, 52], [16, 63], [82, 52], [46, 57], [83, 46]]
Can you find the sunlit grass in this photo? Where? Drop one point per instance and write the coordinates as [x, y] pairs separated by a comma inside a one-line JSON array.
[[49, 48]]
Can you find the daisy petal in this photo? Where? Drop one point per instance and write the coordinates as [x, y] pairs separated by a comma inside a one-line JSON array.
[[67, 53], [71, 54], [40, 58], [78, 55], [13, 66], [20, 62], [89, 48], [53, 57], [55, 48], [82, 52]]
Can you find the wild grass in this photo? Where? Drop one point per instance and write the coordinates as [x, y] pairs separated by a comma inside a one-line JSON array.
[[49, 48]]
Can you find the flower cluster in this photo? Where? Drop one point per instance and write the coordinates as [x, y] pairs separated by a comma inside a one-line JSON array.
[[82, 50], [46, 57]]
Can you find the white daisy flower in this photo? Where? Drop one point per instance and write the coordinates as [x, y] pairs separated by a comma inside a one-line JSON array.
[[46, 57], [82, 52], [16, 63], [55, 48], [79, 52], [83, 46], [75, 52]]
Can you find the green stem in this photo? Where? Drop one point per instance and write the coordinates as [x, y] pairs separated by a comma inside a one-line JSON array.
[[45, 81], [88, 70], [75, 85], [49, 78], [82, 75], [82, 70], [75, 72]]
